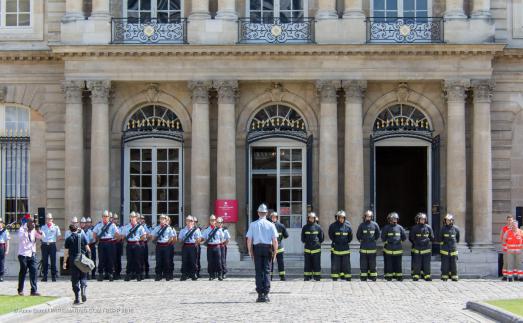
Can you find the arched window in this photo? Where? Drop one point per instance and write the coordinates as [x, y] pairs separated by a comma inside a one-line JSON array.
[[402, 118], [14, 159], [153, 167], [277, 119]]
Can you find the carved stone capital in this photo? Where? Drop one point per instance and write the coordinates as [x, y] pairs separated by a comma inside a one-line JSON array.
[[100, 91], [482, 90], [73, 91], [455, 90], [227, 91], [3, 93], [200, 91], [354, 88], [327, 90]]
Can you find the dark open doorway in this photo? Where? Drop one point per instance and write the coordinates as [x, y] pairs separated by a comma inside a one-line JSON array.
[[401, 183], [263, 191]]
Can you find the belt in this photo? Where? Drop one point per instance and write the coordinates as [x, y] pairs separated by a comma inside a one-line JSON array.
[[48, 243], [162, 244], [133, 242], [263, 245], [189, 244], [214, 245], [109, 240]]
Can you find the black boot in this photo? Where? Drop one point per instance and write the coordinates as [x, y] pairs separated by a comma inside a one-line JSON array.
[[127, 278], [266, 297], [260, 298], [84, 295], [100, 278], [157, 278], [282, 277], [317, 278], [363, 279], [220, 276], [76, 298], [53, 278], [111, 278]]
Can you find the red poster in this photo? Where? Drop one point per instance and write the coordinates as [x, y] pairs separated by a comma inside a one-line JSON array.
[[227, 209]]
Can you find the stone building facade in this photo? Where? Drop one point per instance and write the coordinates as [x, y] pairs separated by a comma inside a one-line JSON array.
[[166, 106]]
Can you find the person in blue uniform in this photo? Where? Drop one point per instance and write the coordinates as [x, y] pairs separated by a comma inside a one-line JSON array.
[[198, 249], [213, 237], [78, 278], [262, 244], [449, 237], [92, 243], [368, 234], [145, 246], [225, 242], [118, 246], [133, 233], [106, 233], [51, 235], [164, 237], [190, 236], [4, 247], [340, 233], [421, 237], [282, 234]]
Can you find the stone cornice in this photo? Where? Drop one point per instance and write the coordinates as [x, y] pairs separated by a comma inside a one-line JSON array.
[[277, 50]]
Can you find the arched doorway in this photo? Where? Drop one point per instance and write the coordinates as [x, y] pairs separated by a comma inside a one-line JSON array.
[[404, 165], [152, 159], [279, 168]]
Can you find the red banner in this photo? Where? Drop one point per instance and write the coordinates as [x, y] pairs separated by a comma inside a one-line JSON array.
[[227, 209]]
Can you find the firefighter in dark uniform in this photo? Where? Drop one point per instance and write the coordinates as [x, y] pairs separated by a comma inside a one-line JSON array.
[[312, 237], [421, 236], [449, 239], [368, 233], [282, 234], [119, 248], [393, 235], [340, 233]]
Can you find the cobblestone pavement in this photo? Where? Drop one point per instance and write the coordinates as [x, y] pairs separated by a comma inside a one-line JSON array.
[[232, 300]]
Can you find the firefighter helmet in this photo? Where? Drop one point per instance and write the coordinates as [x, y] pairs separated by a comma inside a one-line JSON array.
[[420, 216], [393, 216], [449, 217], [341, 213], [368, 212], [263, 208]]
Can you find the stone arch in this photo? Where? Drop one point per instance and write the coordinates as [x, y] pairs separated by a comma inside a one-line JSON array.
[[285, 98], [135, 102], [35, 97], [414, 99]]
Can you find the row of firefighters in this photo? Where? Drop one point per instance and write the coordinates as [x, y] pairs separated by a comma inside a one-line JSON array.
[[106, 240]]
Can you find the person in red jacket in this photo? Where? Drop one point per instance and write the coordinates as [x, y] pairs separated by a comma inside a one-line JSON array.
[[513, 238], [504, 245]]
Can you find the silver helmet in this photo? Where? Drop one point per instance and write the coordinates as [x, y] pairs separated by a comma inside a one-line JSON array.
[[263, 208]]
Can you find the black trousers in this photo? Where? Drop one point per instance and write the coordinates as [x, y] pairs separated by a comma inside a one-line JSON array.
[[134, 259], [214, 261], [118, 258], [421, 265], [106, 255], [2, 260], [171, 260], [449, 267], [312, 266], [393, 264], [198, 257], [340, 266], [189, 265], [48, 252], [145, 257], [78, 278], [262, 259], [223, 253], [27, 263], [93, 248], [163, 261], [368, 265], [281, 264]]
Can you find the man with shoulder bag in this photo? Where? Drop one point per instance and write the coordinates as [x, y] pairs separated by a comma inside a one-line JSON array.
[[78, 246]]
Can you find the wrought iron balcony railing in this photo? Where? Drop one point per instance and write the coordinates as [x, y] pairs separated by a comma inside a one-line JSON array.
[[276, 30], [405, 30], [149, 31]]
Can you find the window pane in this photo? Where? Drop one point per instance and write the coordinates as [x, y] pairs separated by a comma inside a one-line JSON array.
[[135, 181], [379, 4], [132, 4], [392, 5], [161, 195], [10, 6], [175, 5], [161, 180], [295, 222], [285, 195], [146, 168], [285, 220], [408, 5], [162, 167], [24, 20], [135, 154], [24, 6], [146, 181], [147, 195], [145, 4], [297, 4], [264, 158], [296, 181], [162, 5], [255, 5], [268, 5], [10, 20], [285, 5], [296, 208], [285, 154], [421, 4], [163, 17], [146, 154], [135, 168], [285, 181]]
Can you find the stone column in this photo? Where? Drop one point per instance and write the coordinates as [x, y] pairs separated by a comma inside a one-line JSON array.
[[482, 163], [100, 147], [354, 175], [226, 154], [200, 10], [74, 149], [227, 10], [200, 150], [456, 151], [101, 10], [73, 11], [481, 9], [454, 9], [328, 186], [353, 9], [326, 9]]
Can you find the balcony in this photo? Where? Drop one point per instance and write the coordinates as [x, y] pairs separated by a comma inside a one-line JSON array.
[[148, 31], [405, 30], [276, 30]]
